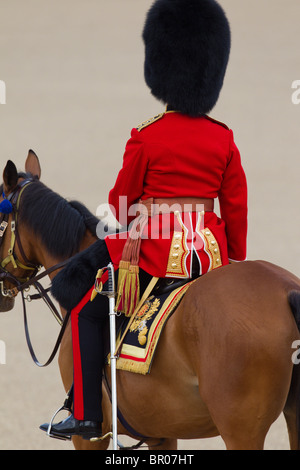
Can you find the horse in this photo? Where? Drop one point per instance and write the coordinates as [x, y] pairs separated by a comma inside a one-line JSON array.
[[223, 365]]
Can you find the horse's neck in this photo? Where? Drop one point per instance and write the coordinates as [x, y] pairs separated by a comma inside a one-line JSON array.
[[43, 257], [87, 240]]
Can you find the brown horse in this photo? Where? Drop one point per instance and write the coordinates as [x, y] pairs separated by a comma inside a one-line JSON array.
[[224, 362]]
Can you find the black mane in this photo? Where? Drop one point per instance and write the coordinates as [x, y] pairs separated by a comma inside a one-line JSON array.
[[59, 224]]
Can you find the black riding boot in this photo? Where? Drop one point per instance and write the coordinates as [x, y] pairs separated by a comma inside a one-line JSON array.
[[87, 319]]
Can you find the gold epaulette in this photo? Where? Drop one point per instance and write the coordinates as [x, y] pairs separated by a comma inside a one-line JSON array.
[[149, 121]]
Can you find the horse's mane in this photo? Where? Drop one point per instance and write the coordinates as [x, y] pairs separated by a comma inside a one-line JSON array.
[[60, 224]]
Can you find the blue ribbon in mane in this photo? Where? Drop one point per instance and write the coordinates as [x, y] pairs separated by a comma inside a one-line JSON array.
[[5, 206]]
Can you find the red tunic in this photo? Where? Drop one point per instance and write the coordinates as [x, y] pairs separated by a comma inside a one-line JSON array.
[[180, 156]]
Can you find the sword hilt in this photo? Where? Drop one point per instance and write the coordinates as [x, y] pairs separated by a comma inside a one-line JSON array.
[[111, 279], [98, 286]]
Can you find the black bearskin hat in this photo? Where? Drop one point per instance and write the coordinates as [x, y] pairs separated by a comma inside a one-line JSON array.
[[187, 45]]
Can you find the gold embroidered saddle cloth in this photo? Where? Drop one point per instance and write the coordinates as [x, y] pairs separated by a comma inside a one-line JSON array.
[[140, 342]]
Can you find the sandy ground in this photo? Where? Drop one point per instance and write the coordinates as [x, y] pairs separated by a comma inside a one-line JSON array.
[[73, 71]]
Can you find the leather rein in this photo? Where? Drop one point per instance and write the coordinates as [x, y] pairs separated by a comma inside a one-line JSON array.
[[23, 284]]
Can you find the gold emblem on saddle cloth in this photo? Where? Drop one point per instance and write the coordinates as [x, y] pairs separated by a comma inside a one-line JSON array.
[[143, 315]]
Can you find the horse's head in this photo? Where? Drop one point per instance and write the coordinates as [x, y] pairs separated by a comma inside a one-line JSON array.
[[14, 265]]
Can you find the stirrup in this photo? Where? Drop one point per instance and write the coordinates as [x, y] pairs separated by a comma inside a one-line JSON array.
[[65, 407], [61, 437]]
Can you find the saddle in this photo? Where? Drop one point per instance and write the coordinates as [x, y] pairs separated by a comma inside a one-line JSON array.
[[139, 344]]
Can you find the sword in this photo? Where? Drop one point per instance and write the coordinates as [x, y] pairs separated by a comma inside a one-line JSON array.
[[110, 293], [113, 357]]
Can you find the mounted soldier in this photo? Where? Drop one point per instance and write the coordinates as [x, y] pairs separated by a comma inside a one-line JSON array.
[[174, 166]]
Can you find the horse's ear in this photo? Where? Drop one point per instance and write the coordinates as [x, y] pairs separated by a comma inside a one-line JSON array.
[[32, 164], [10, 177]]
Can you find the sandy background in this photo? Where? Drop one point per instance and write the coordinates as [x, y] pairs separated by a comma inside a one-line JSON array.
[[74, 89]]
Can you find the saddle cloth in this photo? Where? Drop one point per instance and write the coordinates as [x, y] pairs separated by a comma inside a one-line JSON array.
[[140, 342]]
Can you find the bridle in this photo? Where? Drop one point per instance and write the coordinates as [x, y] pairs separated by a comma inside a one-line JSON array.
[[11, 258], [22, 284]]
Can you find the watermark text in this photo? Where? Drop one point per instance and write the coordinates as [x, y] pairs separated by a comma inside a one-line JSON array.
[[134, 219], [2, 352], [296, 94], [2, 92]]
